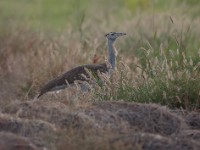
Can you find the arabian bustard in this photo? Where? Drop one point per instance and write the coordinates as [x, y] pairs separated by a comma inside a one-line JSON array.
[[80, 73]]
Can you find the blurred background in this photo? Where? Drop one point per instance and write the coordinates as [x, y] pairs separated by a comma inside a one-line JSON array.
[[60, 15], [40, 39]]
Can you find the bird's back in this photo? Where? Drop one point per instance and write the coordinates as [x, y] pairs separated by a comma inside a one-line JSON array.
[[78, 73]]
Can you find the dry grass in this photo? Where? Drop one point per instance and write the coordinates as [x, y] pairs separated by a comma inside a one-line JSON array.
[[11, 141], [100, 125], [160, 66], [158, 63]]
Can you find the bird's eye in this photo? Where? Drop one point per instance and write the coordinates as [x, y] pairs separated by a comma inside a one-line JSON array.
[[112, 34]]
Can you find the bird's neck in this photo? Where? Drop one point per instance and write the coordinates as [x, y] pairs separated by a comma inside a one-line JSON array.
[[112, 53]]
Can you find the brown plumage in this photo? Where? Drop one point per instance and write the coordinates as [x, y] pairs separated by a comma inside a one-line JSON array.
[[80, 73], [75, 74]]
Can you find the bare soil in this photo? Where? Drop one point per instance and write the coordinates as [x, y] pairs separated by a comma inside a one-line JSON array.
[[98, 125]]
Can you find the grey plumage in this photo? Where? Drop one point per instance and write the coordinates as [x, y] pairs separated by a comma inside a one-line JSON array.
[[80, 73]]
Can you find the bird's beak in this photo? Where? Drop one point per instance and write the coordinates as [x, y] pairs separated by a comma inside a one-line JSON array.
[[121, 34]]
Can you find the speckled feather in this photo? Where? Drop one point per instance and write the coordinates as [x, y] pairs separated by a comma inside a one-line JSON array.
[[72, 75]]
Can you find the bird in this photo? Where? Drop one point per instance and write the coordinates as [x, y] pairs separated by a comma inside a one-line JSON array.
[[81, 73]]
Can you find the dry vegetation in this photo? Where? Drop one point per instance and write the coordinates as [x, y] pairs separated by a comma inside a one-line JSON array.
[[100, 125], [151, 101]]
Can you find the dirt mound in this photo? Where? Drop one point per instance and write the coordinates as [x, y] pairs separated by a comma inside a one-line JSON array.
[[134, 140], [147, 117], [146, 141], [34, 129], [9, 141], [23, 126], [192, 134], [55, 113], [91, 117], [59, 116], [101, 125], [193, 120]]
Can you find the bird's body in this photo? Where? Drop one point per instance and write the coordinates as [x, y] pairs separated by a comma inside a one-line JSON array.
[[80, 73]]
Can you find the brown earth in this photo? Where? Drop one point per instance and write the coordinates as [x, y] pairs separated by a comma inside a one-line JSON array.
[[99, 125]]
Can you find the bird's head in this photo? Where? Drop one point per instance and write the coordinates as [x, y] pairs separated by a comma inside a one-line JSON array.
[[112, 36]]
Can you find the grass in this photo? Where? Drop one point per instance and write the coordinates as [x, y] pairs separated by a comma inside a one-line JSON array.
[[158, 63], [165, 73], [162, 64]]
